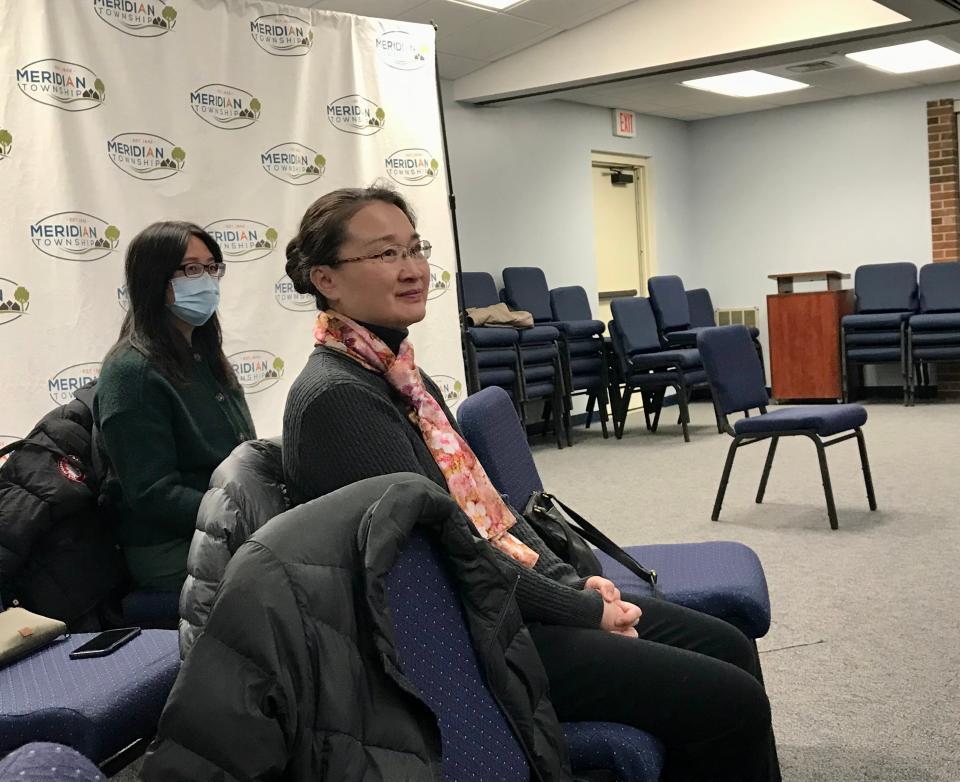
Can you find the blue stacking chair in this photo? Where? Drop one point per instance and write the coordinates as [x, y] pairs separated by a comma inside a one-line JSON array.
[[720, 578], [934, 334], [105, 707], [435, 652], [491, 353], [736, 381], [583, 352], [643, 364], [702, 314], [885, 297], [672, 311], [43, 760]]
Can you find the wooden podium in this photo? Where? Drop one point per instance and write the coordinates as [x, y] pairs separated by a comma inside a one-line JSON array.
[[804, 333]]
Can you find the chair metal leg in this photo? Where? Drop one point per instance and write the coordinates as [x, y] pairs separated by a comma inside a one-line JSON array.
[[602, 409], [766, 469], [591, 401], [825, 476], [684, 412], [622, 415], [845, 380], [722, 489], [647, 407], [865, 464], [657, 399]]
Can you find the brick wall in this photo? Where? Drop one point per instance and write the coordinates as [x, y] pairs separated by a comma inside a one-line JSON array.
[[944, 207]]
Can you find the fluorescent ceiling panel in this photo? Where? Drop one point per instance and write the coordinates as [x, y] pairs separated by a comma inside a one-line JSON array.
[[745, 84], [908, 57], [493, 5]]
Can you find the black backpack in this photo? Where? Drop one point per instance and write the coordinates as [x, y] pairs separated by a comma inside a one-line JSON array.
[[58, 553]]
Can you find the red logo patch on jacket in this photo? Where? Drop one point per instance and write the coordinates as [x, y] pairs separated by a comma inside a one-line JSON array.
[[70, 471]]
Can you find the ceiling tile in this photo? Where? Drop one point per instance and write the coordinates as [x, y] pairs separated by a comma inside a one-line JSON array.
[[382, 9], [491, 36], [936, 75], [452, 66], [449, 17], [563, 13]]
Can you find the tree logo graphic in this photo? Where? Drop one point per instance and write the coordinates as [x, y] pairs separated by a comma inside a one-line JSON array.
[[356, 114], [450, 387], [14, 301], [401, 50], [146, 155], [288, 298], [282, 35], [74, 236], [224, 106], [64, 85], [440, 282], [243, 240], [415, 167], [294, 163], [256, 370], [140, 19], [6, 143]]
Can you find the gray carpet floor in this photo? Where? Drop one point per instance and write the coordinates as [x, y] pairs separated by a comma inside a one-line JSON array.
[[862, 662]]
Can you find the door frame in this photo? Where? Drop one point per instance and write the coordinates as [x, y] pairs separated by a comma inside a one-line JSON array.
[[641, 168]]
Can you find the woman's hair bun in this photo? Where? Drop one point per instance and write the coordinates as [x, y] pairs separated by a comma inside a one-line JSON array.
[[298, 267]]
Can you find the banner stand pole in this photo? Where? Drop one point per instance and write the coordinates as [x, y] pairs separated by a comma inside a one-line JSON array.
[[452, 199]]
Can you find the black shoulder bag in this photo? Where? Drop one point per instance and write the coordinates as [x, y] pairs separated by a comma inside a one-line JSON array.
[[570, 540]]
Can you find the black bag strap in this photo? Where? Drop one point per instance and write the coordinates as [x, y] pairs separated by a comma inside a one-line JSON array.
[[607, 546], [17, 444]]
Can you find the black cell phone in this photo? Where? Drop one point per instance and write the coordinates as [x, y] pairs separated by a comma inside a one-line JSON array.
[[105, 643]]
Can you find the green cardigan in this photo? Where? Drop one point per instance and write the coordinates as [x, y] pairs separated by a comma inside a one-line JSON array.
[[163, 442]]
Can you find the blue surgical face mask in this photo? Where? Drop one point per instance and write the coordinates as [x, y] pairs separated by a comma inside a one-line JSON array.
[[195, 299]]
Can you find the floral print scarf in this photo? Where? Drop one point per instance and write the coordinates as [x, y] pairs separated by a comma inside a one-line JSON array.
[[466, 479]]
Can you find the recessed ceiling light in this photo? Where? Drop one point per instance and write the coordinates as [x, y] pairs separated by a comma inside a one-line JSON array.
[[908, 57], [745, 84], [489, 5]]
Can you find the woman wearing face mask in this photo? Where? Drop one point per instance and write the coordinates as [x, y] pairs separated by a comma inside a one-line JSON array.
[[168, 404]]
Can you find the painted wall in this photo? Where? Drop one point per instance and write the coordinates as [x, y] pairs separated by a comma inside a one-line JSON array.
[[521, 174]]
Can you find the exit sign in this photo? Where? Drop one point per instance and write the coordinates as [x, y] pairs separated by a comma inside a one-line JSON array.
[[623, 123]]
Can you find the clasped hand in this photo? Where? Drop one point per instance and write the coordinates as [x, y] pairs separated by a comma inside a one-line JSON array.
[[619, 616]]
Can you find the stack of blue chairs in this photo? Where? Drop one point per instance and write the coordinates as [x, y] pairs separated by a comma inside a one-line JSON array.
[[642, 364], [886, 297], [933, 334]]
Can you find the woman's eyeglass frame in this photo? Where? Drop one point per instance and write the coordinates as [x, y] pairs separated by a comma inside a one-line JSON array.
[[418, 252], [193, 270]]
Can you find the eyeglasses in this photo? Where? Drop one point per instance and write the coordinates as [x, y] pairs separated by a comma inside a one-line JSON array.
[[418, 252], [215, 270]]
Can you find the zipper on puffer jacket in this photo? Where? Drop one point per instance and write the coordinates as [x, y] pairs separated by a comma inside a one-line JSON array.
[[506, 714]]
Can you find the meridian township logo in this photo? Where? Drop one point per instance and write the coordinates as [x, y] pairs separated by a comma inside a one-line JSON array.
[[137, 18], [66, 85], [123, 298], [414, 167], [440, 282], [74, 236], [256, 370], [6, 143], [223, 106], [356, 114], [14, 301], [451, 388], [288, 298], [65, 383], [243, 240], [146, 156], [294, 163], [282, 35], [400, 50]]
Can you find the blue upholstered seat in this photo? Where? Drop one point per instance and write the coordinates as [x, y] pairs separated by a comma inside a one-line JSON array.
[[49, 762], [685, 359], [700, 306], [669, 301], [683, 337], [936, 338], [934, 334], [879, 337], [721, 578], [539, 334], [631, 754], [525, 288], [493, 336], [875, 321], [737, 383], [825, 420], [581, 328], [936, 321], [97, 705], [497, 357]]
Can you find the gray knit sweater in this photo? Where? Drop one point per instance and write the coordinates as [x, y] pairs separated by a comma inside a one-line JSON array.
[[343, 423]]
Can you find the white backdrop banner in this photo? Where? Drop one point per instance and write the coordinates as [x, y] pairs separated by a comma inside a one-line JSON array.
[[233, 115]]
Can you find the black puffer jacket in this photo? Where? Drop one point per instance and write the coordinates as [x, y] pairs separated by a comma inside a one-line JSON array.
[[246, 491], [58, 553], [294, 677]]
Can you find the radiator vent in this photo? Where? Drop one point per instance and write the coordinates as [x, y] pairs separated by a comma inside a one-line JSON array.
[[738, 316]]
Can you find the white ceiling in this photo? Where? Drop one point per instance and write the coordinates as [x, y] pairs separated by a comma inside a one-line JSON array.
[[470, 41]]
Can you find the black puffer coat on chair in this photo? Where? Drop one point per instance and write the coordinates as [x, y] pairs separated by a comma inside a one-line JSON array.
[[292, 677]]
